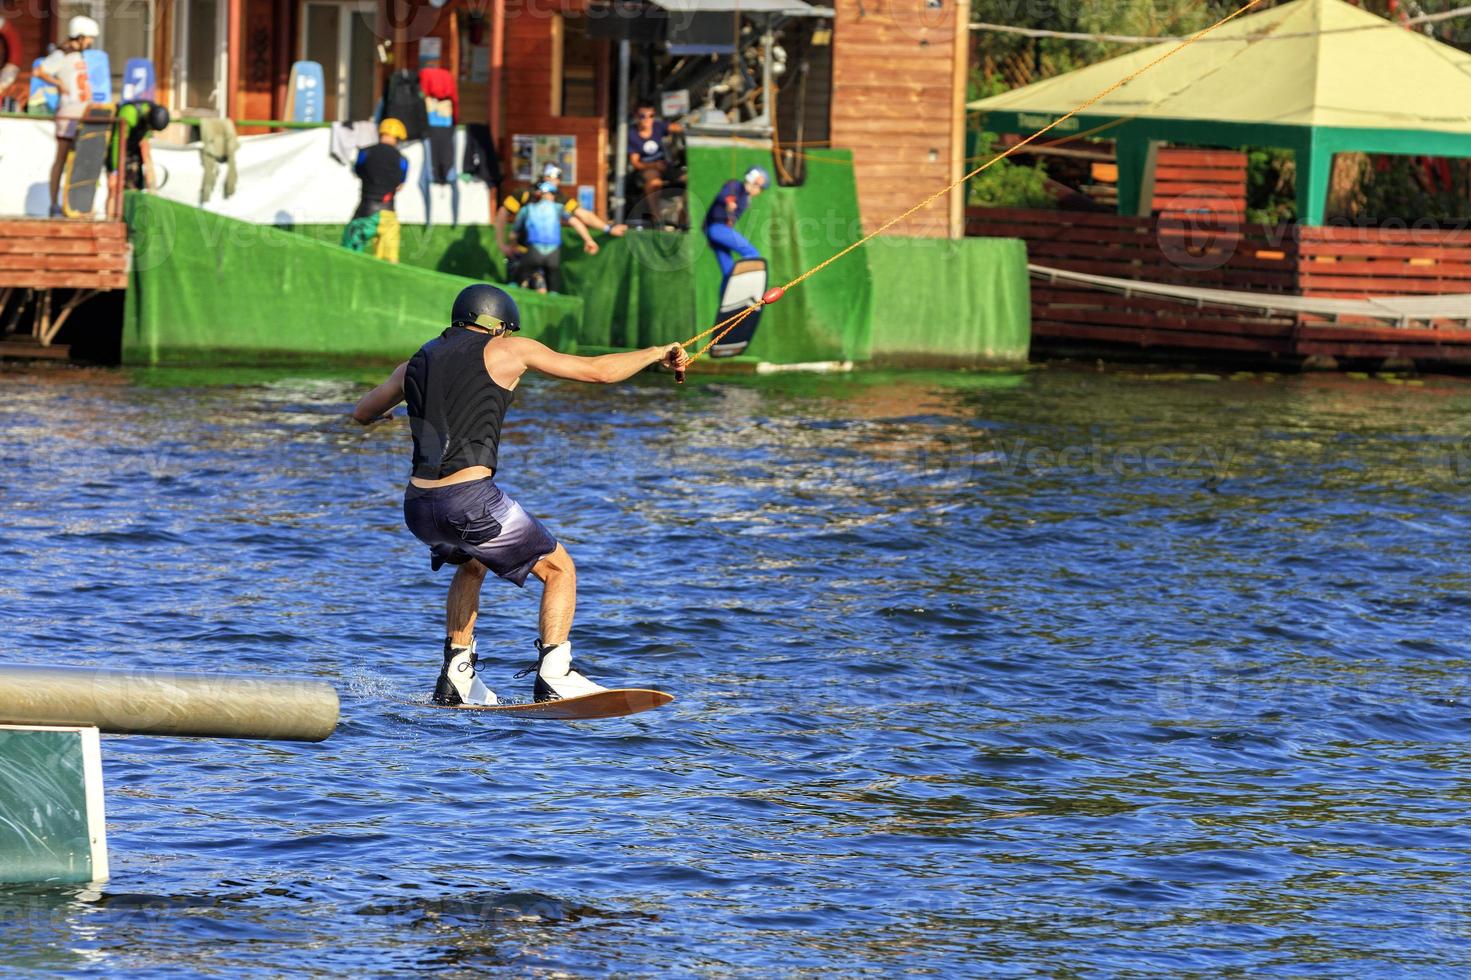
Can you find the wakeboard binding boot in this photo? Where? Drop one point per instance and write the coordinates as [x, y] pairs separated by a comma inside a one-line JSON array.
[[459, 683], [555, 678]]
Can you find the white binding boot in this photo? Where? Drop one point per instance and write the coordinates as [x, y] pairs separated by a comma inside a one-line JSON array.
[[458, 681], [555, 678]]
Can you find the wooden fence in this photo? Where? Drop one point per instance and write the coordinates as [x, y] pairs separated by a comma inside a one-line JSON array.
[[1205, 251]]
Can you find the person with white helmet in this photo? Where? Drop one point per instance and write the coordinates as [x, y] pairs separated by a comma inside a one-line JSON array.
[[729, 204], [66, 69], [539, 229], [551, 173]]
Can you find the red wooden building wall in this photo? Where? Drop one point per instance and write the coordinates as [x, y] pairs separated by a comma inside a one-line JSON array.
[[899, 104]]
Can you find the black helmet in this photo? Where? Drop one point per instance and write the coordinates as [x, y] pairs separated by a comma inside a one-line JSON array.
[[485, 306], [158, 118]]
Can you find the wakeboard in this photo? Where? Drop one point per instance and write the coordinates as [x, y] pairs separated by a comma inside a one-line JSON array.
[[305, 91], [613, 703], [743, 287], [99, 74], [84, 162], [140, 81], [44, 97]]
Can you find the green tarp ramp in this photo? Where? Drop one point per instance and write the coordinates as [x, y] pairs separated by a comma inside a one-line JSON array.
[[210, 289]]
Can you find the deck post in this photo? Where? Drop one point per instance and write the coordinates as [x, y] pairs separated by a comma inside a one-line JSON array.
[[1314, 171], [1136, 160], [620, 153]]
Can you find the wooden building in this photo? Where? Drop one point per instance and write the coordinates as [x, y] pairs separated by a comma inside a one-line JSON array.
[[899, 103], [889, 86]]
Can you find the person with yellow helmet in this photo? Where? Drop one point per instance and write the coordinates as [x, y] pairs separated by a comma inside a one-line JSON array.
[[382, 169]]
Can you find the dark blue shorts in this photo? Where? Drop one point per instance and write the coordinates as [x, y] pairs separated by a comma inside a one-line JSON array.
[[476, 520]]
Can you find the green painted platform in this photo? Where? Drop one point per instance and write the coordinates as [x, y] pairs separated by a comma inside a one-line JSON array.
[[210, 290]]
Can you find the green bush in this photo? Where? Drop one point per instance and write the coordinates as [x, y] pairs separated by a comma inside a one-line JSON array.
[[1005, 184]]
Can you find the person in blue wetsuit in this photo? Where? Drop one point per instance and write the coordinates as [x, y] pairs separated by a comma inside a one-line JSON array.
[[539, 227], [730, 203]]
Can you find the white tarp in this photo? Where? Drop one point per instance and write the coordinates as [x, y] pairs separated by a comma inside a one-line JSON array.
[[284, 178]]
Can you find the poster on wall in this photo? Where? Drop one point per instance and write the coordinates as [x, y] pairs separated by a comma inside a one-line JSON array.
[[529, 154]]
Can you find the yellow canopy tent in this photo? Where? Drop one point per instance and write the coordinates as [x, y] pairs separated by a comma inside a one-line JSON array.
[[1317, 77]]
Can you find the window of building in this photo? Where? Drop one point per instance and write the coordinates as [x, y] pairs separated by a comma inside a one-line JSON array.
[[575, 60], [338, 35], [199, 56]]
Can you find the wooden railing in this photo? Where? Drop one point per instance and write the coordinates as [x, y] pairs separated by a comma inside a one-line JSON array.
[[1204, 251], [1192, 182], [1356, 262], [46, 254]]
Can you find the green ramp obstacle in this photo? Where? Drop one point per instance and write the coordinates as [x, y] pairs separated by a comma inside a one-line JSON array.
[[896, 300], [950, 301], [828, 317], [210, 289]]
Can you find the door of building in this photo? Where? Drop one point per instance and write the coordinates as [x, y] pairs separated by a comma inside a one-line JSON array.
[[338, 35], [199, 57]]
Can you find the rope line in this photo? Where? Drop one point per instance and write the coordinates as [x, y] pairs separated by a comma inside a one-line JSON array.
[[725, 326], [1040, 32]]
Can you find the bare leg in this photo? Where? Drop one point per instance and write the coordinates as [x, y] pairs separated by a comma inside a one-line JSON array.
[[63, 146], [653, 184], [559, 597], [463, 605]]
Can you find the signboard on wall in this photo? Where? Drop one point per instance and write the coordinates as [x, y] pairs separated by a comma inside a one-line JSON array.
[[529, 154], [674, 104]]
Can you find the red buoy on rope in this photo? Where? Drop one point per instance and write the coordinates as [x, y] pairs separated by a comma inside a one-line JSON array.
[[773, 294]]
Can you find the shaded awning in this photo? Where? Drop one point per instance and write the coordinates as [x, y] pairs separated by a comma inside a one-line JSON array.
[[1317, 77]]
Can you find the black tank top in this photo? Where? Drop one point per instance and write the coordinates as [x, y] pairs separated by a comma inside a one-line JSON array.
[[455, 407], [382, 169]]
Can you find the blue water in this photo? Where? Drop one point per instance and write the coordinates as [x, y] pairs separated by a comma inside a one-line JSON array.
[[1069, 672]]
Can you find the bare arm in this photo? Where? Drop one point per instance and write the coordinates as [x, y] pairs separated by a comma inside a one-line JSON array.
[[603, 369], [380, 401]]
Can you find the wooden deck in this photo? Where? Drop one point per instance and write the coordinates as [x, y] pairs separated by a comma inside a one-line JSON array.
[[1285, 260], [49, 267]]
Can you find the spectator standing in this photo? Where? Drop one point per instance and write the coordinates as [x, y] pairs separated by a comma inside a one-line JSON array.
[[382, 169], [66, 69], [730, 203], [646, 155], [539, 227]]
